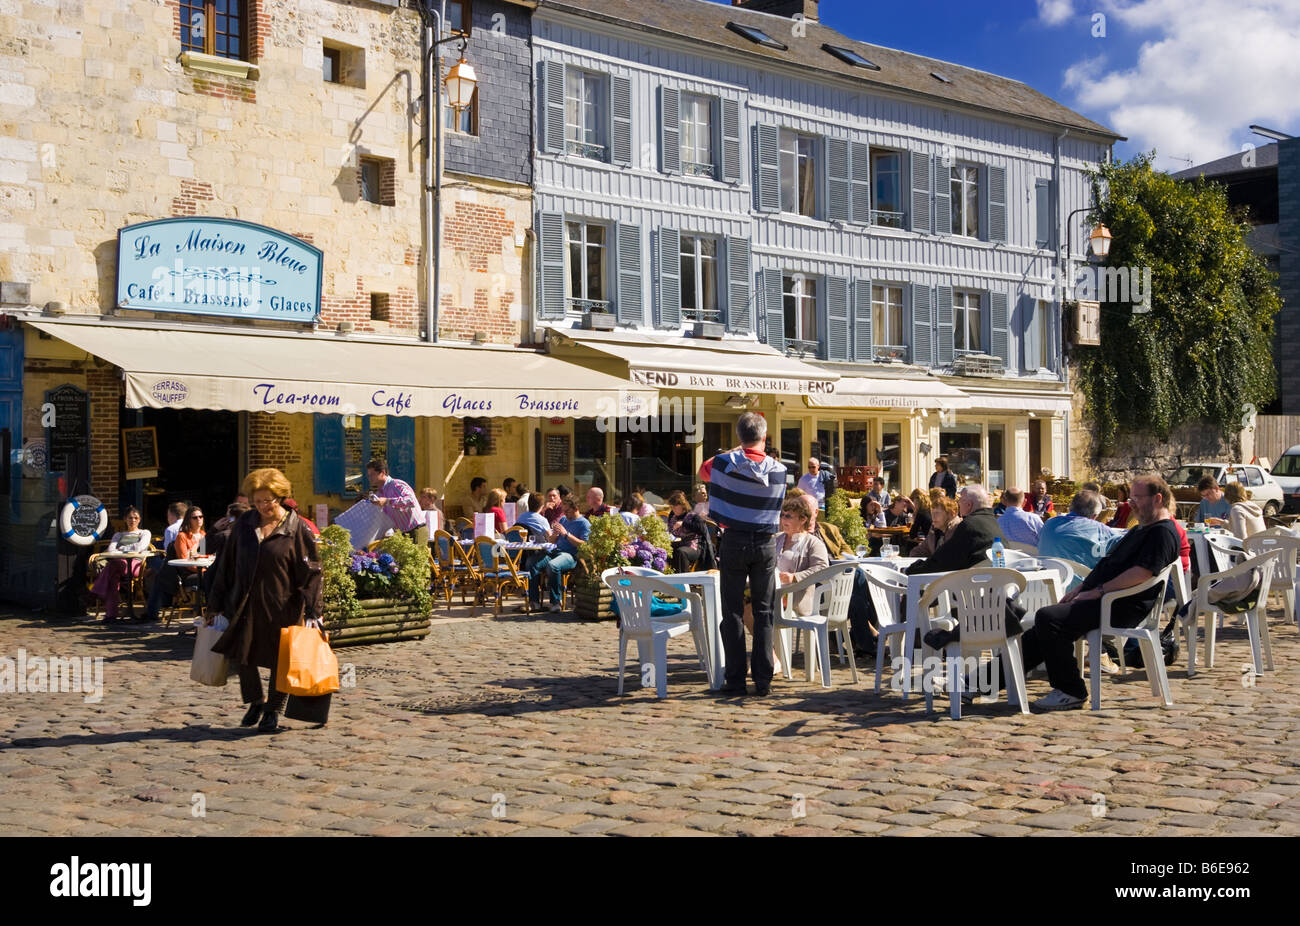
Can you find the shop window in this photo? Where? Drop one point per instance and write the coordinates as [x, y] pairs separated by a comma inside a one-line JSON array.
[[997, 475], [477, 437], [828, 440], [589, 460], [215, 27], [379, 307], [378, 180], [364, 438], [961, 445], [887, 456], [857, 447]]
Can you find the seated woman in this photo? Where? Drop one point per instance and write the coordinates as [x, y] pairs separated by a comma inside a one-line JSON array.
[[1123, 510], [690, 530], [921, 521], [132, 540], [170, 578], [1244, 517], [497, 498], [799, 553], [945, 519], [700, 495], [872, 513], [629, 510], [646, 509], [899, 513]]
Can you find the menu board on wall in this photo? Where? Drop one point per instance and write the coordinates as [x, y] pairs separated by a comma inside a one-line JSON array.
[[140, 450], [69, 437], [557, 453]]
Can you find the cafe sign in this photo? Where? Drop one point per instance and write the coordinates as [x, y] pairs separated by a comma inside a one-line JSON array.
[[213, 266], [726, 382]]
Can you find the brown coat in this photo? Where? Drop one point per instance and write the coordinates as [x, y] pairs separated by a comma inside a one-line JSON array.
[[264, 586]]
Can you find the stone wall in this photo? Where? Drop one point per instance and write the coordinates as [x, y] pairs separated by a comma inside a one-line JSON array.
[[1137, 454]]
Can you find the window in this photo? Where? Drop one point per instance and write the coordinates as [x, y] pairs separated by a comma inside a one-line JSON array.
[[1042, 354], [965, 201], [887, 316], [585, 97], [378, 180], [800, 309], [849, 56], [332, 65], [588, 291], [379, 307], [364, 438], [1043, 213], [887, 188], [966, 326], [466, 121], [756, 35], [215, 27], [699, 279], [459, 16], [697, 135], [798, 173]]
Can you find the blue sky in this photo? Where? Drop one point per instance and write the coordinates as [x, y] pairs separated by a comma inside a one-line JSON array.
[[1186, 77]]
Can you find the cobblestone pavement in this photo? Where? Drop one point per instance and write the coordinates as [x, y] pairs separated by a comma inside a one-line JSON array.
[[511, 725]]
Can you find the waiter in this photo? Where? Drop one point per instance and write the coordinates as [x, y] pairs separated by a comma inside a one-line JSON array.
[[398, 501]]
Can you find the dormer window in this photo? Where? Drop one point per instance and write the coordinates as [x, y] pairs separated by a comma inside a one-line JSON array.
[[849, 56], [757, 36]]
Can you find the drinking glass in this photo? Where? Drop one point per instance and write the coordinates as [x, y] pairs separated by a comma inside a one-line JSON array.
[[862, 551]]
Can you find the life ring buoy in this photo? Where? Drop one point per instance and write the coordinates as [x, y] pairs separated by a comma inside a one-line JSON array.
[[83, 520]]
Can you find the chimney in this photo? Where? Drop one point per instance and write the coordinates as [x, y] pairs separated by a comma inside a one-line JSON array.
[[791, 8]]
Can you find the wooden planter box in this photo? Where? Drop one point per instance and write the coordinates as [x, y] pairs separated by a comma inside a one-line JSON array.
[[593, 603], [382, 620]]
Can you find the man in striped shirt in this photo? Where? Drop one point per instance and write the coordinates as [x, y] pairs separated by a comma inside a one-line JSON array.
[[746, 488], [398, 501]]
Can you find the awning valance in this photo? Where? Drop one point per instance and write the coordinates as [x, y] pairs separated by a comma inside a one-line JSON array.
[[908, 394], [1041, 403], [265, 373], [693, 365]]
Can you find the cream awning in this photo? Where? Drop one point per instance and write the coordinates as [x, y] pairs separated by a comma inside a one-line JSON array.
[[1039, 403], [330, 375], [707, 366], [909, 394]]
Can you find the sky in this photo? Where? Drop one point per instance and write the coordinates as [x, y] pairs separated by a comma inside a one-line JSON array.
[[1184, 77]]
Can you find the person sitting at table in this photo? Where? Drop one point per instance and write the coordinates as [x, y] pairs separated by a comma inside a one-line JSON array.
[[921, 521], [799, 553], [689, 530], [1213, 504], [965, 547], [899, 513], [495, 499], [827, 532], [171, 577], [108, 585], [1040, 503], [872, 513], [477, 498], [570, 533], [944, 520], [536, 525], [1016, 524], [596, 506], [1244, 517], [553, 510], [629, 508], [700, 495], [429, 499], [226, 523], [1078, 536], [1123, 510], [521, 496], [878, 493], [508, 488], [219, 534]]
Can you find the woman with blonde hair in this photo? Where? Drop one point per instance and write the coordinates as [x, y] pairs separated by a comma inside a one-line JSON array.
[[1244, 517], [267, 577], [945, 519]]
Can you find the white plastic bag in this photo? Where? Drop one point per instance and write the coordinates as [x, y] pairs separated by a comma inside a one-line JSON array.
[[207, 667]]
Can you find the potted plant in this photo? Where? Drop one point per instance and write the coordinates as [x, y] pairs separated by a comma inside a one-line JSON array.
[[476, 440], [376, 596], [613, 542]]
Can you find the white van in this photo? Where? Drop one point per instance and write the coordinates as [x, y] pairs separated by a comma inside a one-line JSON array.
[[1286, 473]]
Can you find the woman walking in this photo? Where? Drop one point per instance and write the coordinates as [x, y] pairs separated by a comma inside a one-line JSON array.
[[268, 577]]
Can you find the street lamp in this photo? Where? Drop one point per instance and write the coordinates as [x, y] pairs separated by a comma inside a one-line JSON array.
[[1099, 241], [460, 83]]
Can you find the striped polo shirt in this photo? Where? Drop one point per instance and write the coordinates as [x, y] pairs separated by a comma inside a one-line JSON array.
[[745, 493]]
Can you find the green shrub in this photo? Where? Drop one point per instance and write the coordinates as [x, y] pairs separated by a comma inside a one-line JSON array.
[[841, 512], [337, 587]]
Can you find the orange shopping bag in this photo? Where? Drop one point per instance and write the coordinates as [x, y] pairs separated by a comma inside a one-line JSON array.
[[306, 666]]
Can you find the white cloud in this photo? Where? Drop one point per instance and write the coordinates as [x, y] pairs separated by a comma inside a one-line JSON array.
[[1055, 12], [1212, 68]]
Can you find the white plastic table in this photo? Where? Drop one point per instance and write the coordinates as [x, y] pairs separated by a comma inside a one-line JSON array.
[[709, 586]]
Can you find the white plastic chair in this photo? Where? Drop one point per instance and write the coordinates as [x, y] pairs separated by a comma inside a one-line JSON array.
[[1013, 556], [833, 588], [1147, 633], [1287, 575], [980, 599], [634, 595], [1256, 617], [886, 587]]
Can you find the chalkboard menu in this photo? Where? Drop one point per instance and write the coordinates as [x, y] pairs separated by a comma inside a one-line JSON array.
[[140, 449], [557, 453], [69, 438]]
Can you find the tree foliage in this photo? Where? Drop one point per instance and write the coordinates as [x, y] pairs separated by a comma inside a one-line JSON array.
[[1204, 350]]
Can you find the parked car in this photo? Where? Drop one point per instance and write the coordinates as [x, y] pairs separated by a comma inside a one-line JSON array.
[[1264, 491], [1286, 473]]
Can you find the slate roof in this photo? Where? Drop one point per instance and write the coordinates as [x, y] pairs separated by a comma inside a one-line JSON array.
[[1265, 157], [705, 24]]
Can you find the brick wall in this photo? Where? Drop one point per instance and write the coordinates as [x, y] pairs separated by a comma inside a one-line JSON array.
[[104, 384], [499, 51], [193, 192], [270, 441]]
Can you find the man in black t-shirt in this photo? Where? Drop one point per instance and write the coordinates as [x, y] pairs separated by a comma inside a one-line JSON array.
[[1143, 552]]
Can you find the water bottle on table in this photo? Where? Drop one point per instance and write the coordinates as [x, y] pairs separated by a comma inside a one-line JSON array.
[[999, 554]]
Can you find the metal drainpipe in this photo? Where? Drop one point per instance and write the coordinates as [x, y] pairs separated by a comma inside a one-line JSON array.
[[1065, 369], [431, 24]]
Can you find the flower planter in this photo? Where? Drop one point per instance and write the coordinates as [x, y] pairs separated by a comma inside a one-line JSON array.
[[593, 603], [382, 620]]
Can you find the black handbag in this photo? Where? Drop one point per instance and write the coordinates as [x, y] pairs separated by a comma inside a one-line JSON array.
[[314, 709], [1168, 644]]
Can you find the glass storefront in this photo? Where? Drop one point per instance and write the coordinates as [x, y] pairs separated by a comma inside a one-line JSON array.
[[857, 444], [889, 458], [997, 467], [961, 445], [828, 443]]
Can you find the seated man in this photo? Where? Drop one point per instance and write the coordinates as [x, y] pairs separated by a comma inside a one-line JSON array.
[[1143, 552], [1016, 524], [1079, 536], [970, 540], [537, 525], [1213, 504], [570, 533]]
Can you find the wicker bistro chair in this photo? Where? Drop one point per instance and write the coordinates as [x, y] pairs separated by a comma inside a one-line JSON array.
[[979, 597], [516, 534], [497, 572], [440, 580], [457, 565]]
